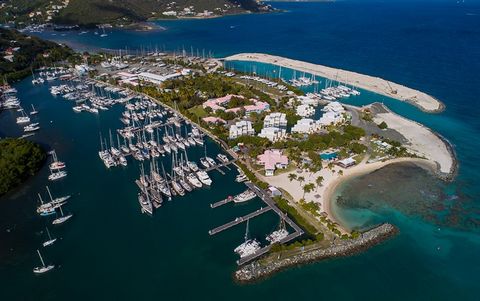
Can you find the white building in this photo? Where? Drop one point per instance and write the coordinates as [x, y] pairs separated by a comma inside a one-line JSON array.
[[334, 113], [156, 78], [241, 128], [334, 106], [273, 133], [275, 120], [171, 13], [305, 110], [305, 126]]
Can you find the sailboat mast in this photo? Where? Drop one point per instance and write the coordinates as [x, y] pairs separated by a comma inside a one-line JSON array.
[[41, 259], [49, 193]]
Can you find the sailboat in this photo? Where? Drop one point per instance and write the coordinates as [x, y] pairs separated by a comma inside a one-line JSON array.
[[42, 269], [61, 219], [50, 240], [56, 164], [278, 235], [37, 81], [248, 247], [34, 111], [103, 34], [24, 118], [45, 209]]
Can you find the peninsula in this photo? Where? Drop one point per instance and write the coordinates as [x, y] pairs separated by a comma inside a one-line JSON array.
[[291, 148], [268, 126], [375, 84]]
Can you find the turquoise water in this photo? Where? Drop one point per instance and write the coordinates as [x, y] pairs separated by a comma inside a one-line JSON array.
[[110, 251]]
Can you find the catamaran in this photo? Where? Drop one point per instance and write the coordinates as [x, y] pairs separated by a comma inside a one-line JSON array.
[[204, 178], [248, 247], [63, 218], [278, 235], [211, 161], [204, 162], [57, 175], [44, 268], [50, 240]]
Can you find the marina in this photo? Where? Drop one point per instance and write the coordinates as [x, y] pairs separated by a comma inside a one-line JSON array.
[[267, 199]]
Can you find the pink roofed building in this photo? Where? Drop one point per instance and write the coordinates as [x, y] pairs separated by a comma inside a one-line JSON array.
[[214, 120], [272, 159], [218, 104]]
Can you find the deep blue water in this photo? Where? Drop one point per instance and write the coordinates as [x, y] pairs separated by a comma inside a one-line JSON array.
[[431, 46]]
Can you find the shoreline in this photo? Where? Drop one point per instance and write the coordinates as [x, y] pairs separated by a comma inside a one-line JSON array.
[[378, 85]]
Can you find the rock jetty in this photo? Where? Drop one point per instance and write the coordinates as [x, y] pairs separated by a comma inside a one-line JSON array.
[[256, 270]]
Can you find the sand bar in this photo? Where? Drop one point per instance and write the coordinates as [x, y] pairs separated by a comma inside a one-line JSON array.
[[375, 84]]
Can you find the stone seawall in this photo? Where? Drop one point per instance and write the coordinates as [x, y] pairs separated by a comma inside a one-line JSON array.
[[256, 271]]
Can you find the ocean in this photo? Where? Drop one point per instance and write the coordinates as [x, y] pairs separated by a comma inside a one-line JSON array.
[[110, 251]]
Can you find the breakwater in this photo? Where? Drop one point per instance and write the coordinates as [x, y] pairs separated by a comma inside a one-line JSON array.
[[261, 269]]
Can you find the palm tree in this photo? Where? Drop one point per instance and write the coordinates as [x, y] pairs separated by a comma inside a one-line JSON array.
[[301, 179], [340, 172], [319, 181], [308, 188], [292, 177]]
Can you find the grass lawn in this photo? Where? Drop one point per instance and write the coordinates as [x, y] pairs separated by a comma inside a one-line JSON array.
[[198, 111]]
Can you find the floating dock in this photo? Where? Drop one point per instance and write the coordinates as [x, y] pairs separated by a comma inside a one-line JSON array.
[[239, 220]]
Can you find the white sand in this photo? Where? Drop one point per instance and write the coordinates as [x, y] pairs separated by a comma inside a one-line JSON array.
[[421, 140], [374, 84]]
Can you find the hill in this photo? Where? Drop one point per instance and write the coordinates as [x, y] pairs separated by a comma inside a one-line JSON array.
[[21, 53], [94, 12]]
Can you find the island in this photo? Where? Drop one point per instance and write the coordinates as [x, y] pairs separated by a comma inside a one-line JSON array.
[[89, 13], [19, 160]]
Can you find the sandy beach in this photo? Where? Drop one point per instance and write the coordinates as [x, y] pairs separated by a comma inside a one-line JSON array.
[[370, 83], [421, 140]]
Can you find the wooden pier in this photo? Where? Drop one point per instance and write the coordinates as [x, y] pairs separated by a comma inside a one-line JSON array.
[[218, 166], [239, 220], [222, 202]]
